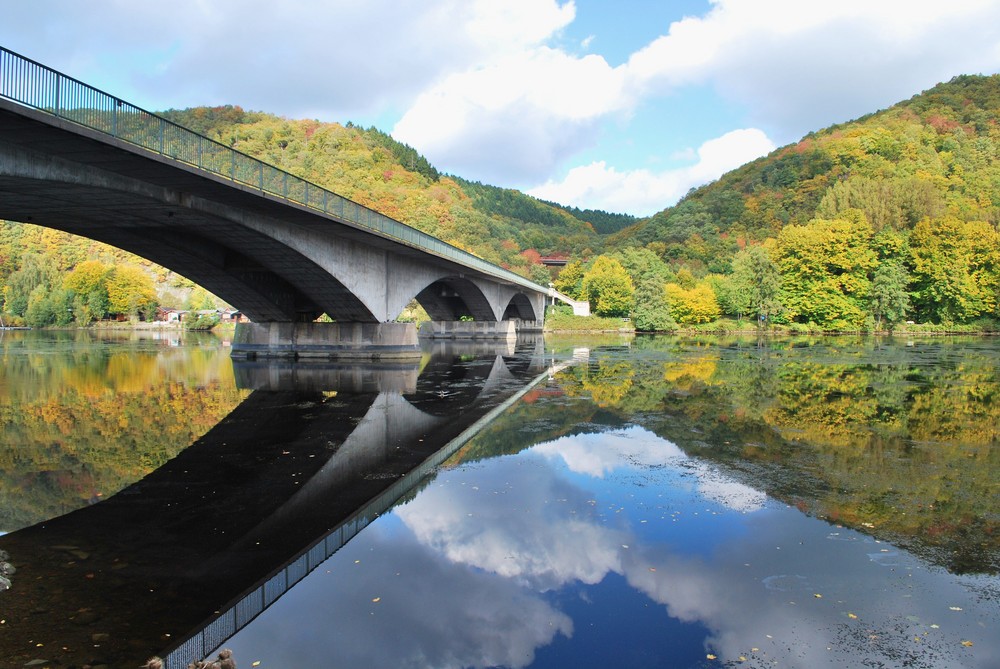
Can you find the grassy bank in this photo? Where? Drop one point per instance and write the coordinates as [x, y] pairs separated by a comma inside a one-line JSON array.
[[558, 321]]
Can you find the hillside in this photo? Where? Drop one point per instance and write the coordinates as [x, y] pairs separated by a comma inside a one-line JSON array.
[[936, 154], [859, 227]]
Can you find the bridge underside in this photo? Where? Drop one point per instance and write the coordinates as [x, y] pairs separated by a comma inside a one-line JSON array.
[[274, 260]]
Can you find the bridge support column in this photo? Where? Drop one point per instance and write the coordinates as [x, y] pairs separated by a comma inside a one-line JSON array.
[[468, 330], [326, 341]]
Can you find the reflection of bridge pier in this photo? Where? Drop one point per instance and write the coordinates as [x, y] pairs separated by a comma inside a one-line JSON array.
[[218, 533]]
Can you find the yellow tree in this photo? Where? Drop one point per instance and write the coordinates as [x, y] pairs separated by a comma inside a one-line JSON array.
[[692, 305], [824, 270], [131, 291]]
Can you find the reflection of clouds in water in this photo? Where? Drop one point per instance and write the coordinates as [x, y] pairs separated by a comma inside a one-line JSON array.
[[438, 614], [599, 454], [545, 534], [723, 490], [542, 533]]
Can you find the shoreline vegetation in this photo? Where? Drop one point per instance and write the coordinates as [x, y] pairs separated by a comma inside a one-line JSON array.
[[559, 323]]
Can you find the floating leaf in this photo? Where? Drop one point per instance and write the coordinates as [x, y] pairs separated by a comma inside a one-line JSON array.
[[256, 664], [818, 596], [377, 599], [955, 608], [966, 643], [710, 656], [851, 616]]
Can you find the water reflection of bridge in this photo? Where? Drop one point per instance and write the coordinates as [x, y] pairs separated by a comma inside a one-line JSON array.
[[181, 560]]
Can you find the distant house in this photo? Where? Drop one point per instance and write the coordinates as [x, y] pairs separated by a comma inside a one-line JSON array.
[[232, 316], [554, 261], [168, 315]]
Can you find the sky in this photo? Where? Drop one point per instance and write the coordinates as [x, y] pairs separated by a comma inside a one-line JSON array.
[[622, 106]]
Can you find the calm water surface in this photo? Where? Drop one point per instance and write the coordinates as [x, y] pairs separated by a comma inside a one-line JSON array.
[[659, 502]]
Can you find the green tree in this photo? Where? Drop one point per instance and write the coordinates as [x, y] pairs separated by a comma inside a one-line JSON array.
[[40, 310], [944, 288], [889, 299], [755, 284], [652, 309], [608, 287], [36, 271]]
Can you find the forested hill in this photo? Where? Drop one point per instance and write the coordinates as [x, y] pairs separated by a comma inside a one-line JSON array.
[[859, 227], [934, 155]]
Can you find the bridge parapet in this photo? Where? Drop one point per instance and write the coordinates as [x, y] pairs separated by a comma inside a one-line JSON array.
[[580, 308]]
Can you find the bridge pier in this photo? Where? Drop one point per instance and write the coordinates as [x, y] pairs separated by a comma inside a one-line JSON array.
[[468, 330], [326, 341]]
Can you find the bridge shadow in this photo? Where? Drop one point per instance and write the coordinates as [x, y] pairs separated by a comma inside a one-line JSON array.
[[181, 560]]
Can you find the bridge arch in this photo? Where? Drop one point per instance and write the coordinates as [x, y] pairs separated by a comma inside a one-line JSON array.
[[267, 281], [520, 307], [452, 298]]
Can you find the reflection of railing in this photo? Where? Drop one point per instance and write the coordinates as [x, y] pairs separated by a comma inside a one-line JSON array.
[[235, 617], [34, 85]]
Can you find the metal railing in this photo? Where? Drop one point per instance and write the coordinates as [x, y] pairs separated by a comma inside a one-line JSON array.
[[34, 85]]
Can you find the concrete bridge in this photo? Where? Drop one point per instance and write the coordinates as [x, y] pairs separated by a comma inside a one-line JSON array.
[[279, 248]]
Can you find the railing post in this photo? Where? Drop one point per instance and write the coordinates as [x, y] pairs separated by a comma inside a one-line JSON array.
[[199, 152], [114, 117], [57, 82], [161, 136], [232, 165], [260, 173]]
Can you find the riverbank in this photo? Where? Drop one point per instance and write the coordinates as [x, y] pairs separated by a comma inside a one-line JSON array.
[[560, 323]]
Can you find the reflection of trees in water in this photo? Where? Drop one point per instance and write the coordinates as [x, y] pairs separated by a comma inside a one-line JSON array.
[[892, 439], [79, 426]]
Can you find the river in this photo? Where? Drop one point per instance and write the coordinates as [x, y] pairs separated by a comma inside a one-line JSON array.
[[572, 502]]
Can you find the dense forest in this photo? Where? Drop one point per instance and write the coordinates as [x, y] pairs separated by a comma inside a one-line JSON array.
[[862, 226]]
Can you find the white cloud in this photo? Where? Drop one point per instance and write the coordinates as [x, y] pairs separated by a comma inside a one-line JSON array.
[[643, 192], [514, 119], [799, 66], [333, 59]]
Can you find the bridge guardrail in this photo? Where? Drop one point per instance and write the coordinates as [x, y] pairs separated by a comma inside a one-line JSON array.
[[38, 86]]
